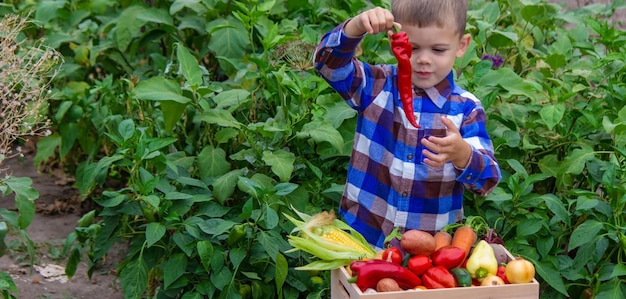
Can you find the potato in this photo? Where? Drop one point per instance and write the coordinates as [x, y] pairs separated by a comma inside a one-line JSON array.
[[416, 241], [387, 285]]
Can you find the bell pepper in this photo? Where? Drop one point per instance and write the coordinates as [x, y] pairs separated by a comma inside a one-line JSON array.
[[448, 256], [418, 264], [482, 262], [369, 272], [438, 277], [502, 273]]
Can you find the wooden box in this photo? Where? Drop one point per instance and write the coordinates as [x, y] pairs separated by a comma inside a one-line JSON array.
[[340, 288]]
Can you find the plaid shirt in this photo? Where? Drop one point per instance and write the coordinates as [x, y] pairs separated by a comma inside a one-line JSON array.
[[388, 185]]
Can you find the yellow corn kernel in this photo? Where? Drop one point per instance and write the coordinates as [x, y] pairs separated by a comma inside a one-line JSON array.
[[338, 236]]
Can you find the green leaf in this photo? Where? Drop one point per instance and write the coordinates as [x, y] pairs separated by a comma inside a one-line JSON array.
[[552, 114], [229, 37], [219, 117], [159, 89], [575, 163], [271, 217], [175, 266], [46, 147], [555, 205], [128, 26], [281, 163], [135, 277], [26, 209], [552, 276], [205, 252], [154, 232], [172, 113], [189, 65], [280, 272], [224, 186], [236, 256], [585, 233], [322, 132], [72, 263], [231, 99], [126, 129], [212, 162]]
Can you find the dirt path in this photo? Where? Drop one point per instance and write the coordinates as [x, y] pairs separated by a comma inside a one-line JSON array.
[[58, 210]]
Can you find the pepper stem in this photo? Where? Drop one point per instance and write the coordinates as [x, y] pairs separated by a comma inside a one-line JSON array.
[[396, 29]]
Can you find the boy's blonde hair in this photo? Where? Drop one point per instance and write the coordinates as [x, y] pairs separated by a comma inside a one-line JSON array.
[[424, 13]]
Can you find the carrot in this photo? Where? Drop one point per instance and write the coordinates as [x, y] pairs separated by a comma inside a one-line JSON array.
[[464, 237], [442, 238]]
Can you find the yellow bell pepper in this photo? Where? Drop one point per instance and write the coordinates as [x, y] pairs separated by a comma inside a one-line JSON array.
[[482, 262]]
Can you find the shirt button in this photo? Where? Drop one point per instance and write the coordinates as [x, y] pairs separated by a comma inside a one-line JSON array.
[[409, 156], [469, 176], [405, 194]]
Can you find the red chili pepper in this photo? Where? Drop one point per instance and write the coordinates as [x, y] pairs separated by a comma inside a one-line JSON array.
[[418, 264], [501, 273], [448, 256], [393, 254], [369, 272], [438, 277], [402, 49]]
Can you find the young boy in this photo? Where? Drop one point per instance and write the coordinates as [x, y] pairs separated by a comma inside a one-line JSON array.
[[399, 175]]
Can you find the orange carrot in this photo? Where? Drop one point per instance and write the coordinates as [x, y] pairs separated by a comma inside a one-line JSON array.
[[464, 237], [442, 238]]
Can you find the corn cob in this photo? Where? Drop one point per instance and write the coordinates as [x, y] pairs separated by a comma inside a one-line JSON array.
[[329, 239]]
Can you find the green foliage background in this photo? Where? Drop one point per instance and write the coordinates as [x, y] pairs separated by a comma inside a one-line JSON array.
[[195, 124]]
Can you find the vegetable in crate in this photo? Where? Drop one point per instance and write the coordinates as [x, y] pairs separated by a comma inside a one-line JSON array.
[[418, 264], [369, 272], [438, 277], [482, 262], [448, 256], [331, 240], [392, 254], [416, 242], [462, 277], [520, 270]]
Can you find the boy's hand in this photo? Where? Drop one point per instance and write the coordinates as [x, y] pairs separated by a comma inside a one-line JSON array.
[[445, 149], [371, 21]]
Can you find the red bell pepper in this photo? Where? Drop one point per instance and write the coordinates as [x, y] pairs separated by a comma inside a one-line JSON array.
[[448, 257], [402, 49], [393, 254], [369, 272], [438, 277], [501, 273], [418, 264]]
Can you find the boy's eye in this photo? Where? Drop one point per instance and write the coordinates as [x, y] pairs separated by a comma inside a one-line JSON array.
[[439, 50]]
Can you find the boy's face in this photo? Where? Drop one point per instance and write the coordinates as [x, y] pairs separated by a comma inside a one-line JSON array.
[[434, 52]]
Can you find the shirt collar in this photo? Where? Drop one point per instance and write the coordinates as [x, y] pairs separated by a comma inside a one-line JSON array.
[[439, 93]]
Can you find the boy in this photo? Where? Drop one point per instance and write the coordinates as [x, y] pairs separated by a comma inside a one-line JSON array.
[[399, 175]]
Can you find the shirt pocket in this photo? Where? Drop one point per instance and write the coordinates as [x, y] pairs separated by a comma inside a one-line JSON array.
[[425, 133]]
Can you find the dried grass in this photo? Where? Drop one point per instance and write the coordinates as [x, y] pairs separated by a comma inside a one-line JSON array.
[[26, 69]]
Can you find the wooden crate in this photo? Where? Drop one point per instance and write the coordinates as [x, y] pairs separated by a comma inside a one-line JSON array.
[[340, 288]]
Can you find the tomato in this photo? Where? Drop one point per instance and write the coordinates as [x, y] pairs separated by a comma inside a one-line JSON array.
[[418, 264], [392, 254], [520, 270]]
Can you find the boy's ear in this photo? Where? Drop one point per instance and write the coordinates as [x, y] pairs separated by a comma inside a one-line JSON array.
[[464, 43]]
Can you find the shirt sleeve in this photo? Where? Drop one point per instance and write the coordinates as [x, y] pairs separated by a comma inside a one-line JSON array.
[[482, 174], [334, 60]]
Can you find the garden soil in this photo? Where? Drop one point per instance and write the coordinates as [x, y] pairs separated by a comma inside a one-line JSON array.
[[58, 209]]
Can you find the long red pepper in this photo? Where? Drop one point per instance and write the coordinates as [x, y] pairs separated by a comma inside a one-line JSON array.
[[369, 272], [402, 49]]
